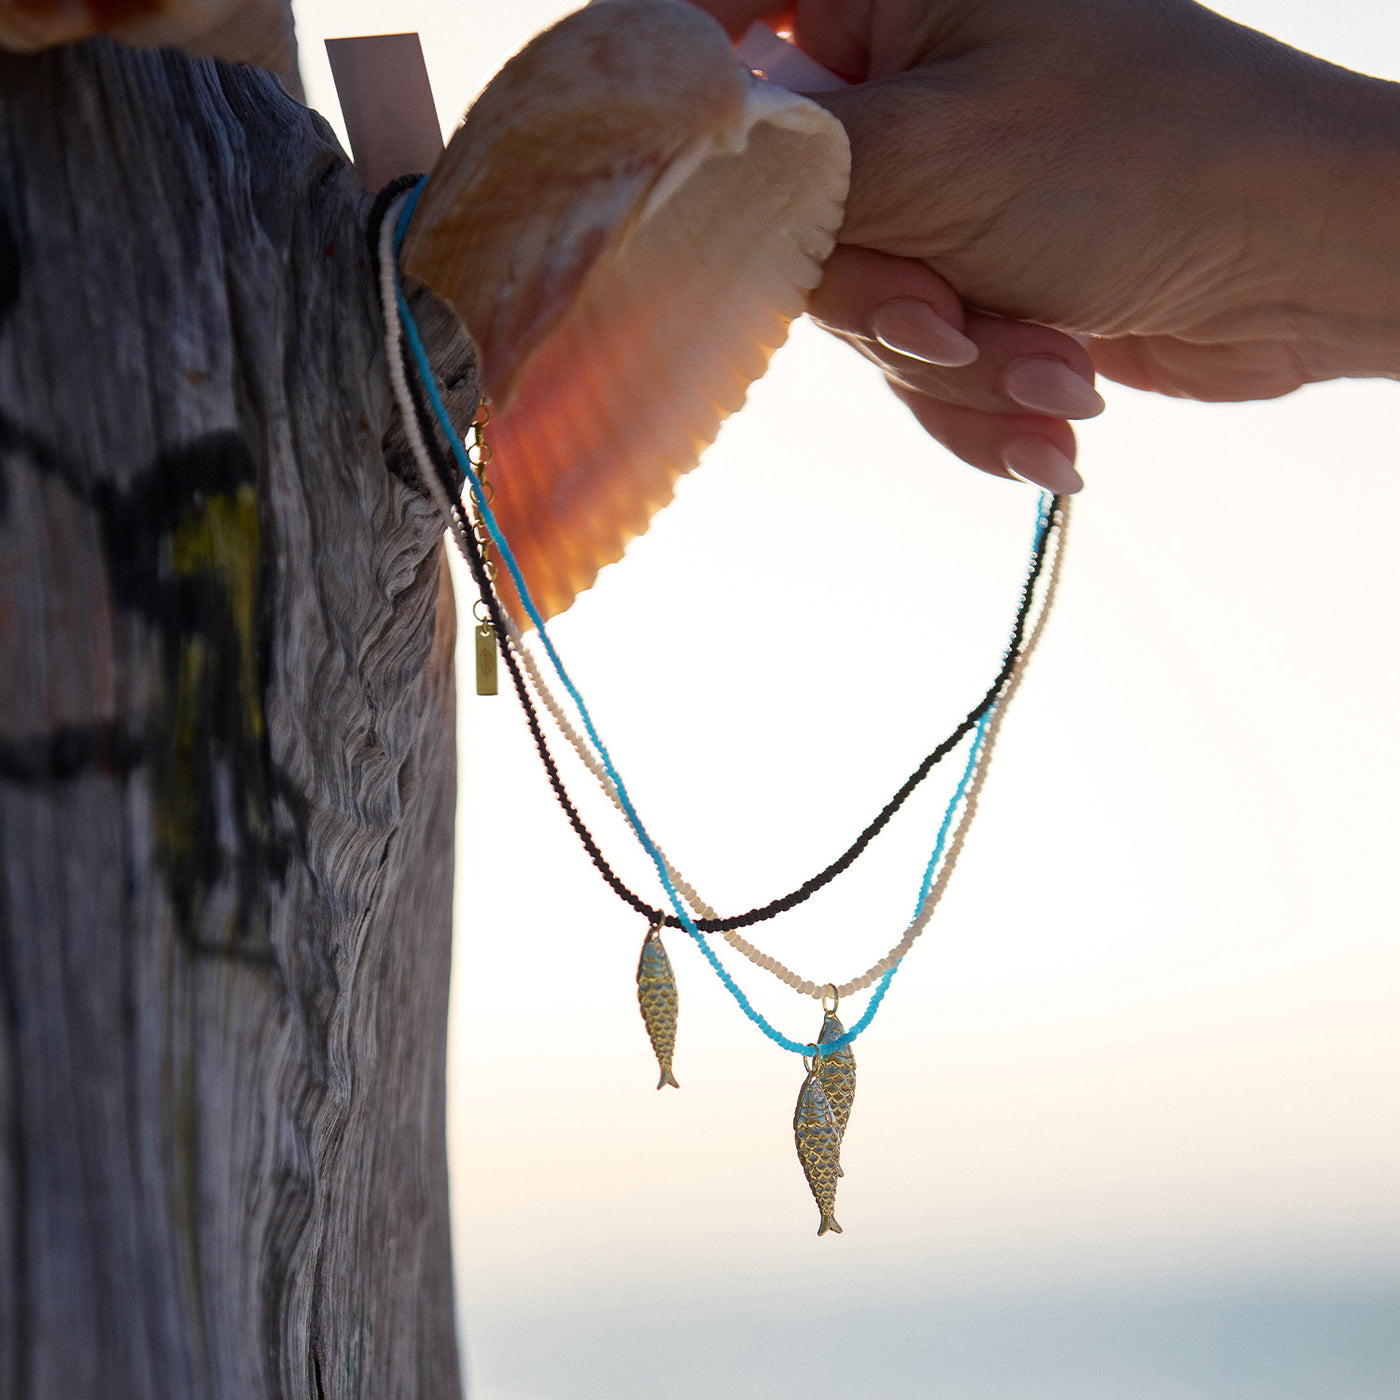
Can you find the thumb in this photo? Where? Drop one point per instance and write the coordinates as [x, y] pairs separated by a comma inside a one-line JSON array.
[[896, 163]]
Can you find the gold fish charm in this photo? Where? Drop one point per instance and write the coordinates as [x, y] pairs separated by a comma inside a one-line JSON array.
[[838, 1075], [818, 1145], [656, 994]]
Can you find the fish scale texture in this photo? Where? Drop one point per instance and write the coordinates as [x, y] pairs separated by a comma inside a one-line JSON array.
[[818, 1148], [838, 1074], [660, 1004]]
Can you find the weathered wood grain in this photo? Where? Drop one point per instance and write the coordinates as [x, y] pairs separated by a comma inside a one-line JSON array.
[[226, 759]]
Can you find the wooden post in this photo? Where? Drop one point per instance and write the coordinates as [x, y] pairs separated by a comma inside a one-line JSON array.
[[226, 758]]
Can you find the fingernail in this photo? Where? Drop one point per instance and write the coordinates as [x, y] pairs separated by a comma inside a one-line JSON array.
[[1046, 385], [1038, 461], [915, 329]]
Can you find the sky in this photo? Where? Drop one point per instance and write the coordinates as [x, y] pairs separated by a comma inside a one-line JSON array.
[[1126, 1122]]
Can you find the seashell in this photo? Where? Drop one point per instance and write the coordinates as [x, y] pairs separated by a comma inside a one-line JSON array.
[[627, 222], [241, 31]]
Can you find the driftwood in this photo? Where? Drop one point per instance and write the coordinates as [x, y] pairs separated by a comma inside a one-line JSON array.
[[226, 758]]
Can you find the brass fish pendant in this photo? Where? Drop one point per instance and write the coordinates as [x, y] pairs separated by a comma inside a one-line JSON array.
[[838, 1075], [818, 1146], [656, 994]]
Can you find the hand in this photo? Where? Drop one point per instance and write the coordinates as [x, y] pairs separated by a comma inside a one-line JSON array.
[[1216, 210], [995, 392]]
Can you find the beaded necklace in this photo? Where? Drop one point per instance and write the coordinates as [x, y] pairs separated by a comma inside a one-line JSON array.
[[828, 1090]]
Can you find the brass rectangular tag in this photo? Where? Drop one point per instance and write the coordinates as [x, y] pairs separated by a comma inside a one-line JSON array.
[[485, 659]]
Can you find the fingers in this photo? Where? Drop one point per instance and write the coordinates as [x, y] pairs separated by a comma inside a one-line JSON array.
[[1034, 449], [904, 309], [907, 319], [996, 392]]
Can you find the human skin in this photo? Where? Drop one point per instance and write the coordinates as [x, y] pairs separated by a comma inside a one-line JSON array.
[[1214, 214]]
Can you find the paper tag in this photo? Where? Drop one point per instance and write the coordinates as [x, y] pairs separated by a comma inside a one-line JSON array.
[[387, 102]]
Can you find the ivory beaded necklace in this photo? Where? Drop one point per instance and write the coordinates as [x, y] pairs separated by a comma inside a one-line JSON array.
[[828, 1090], [937, 873], [933, 887], [466, 541]]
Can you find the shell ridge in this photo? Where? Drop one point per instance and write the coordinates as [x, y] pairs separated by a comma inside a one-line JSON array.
[[623, 303]]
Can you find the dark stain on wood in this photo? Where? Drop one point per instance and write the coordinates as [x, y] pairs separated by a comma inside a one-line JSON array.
[[184, 551], [39, 760], [184, 547]]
